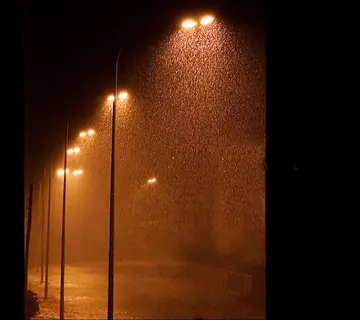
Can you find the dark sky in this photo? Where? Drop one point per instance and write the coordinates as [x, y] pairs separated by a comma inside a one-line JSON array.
[[70, 53]]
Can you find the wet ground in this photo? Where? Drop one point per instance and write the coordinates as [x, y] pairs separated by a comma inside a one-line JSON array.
[[147, 290]]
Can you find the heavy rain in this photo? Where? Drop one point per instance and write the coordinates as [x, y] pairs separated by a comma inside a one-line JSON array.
[[189, 187]]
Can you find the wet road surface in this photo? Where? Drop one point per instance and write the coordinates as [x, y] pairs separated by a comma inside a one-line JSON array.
[[146, 290]]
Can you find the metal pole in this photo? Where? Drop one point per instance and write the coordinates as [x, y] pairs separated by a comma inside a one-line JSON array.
[[39, 209], [48, 234], [110, 314], [62, 271], [42, 195], [28, 233]]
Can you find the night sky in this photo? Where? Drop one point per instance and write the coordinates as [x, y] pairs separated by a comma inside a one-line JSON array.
[[70, 53]]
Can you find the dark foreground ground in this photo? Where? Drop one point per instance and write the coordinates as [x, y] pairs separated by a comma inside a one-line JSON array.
[[149, 290]]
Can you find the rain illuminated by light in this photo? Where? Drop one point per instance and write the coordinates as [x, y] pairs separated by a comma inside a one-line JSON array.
[[196, 121]]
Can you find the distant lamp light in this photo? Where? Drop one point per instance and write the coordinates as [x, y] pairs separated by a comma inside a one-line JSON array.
[[61, 172], [153, 180], [123, 95], [207, 20], [188, 24]]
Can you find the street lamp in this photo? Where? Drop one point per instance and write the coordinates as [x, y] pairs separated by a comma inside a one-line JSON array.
[[190, 23], [110, 311], [48, 234], [64, 172], [83, 134], [60, 172], [206, 20], [62, 268], [42, 209], [73, 150], [77, 172], [123, 95], [153, 180], [114, 99]]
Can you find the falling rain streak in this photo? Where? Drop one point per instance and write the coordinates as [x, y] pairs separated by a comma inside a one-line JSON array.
[[190, 144]]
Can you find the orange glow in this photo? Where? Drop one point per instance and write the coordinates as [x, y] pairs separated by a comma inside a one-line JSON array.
[[82, 134], [90, 132], [153, 180], [188, 24], [61, 172], [123, 95], [207, 20], [70, 151], [76, 149], [77, 172], [111, 98]]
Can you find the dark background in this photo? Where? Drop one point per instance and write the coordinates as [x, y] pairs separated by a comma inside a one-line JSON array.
[[70, 53]]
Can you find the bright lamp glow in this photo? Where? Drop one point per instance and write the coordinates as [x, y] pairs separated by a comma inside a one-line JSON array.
[[61, 172], [188, 24], [207, 20], [70, 151], [153, 180], [123, 95], [77, 172], [111, 98], [83, 134], [90, 132], [76, 149]]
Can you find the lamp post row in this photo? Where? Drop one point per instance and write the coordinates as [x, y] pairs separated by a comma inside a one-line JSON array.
[[187, 24]]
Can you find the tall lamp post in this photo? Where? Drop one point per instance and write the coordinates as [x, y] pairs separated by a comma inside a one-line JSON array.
[[48, 233], [110, 311], [62, 269], [42, 195], [40, 213]]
